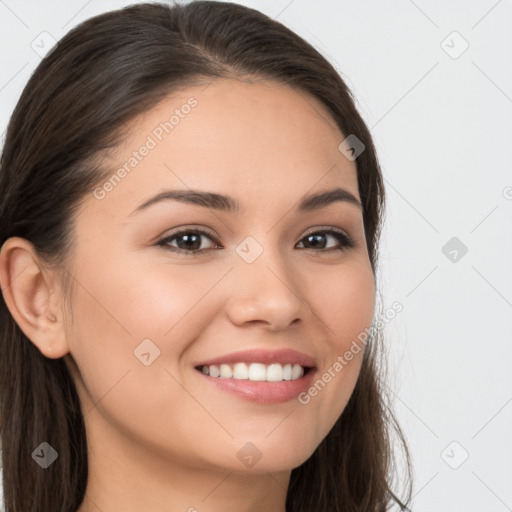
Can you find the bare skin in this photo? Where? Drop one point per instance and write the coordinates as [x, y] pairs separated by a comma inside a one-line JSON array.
[[162, 437]]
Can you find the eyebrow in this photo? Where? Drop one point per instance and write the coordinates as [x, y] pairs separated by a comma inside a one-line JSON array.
[[230, 205]]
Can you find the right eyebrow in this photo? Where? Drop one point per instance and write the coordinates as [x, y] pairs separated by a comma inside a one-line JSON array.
[[197, 197]]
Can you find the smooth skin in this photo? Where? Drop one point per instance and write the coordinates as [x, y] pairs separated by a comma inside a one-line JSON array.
[[162, 437]]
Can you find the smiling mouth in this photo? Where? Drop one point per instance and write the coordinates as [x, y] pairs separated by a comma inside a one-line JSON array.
[[257, 372]]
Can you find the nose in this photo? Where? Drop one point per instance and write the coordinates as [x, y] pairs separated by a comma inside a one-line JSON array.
[[266, 291]]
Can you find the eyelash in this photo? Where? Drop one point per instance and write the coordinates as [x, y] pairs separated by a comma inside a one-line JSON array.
[[345, 241]]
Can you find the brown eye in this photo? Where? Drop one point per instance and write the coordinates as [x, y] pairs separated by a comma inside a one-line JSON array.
[[318, 240], [187, 241]]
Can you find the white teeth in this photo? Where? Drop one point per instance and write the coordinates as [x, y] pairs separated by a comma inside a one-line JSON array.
[[297, 371], [257, 371], [287, 372], [240, 371], [225, 371], [274, 372], [214, 371]]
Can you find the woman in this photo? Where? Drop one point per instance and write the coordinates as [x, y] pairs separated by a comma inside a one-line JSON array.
[[191, 207]]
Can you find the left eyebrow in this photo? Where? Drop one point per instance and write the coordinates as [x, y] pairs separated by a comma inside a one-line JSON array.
[[322, 199], [231, 205]]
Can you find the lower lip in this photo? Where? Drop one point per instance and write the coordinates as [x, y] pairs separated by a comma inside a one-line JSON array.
[[263, 392]]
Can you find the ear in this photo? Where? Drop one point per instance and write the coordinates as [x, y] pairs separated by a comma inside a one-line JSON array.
[[33, 297]]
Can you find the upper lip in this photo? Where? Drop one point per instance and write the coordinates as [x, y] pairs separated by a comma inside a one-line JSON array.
[[281, 356]]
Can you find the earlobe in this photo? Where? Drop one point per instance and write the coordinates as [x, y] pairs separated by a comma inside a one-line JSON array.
[[31, 294]]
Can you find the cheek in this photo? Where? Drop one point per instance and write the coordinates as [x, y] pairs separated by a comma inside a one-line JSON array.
[[343, 300], [127, 310], [345, 304], [131, 301], [350, 304], [121, 306]]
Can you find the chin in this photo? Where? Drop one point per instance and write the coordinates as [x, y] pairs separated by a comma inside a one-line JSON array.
[[261, 456]]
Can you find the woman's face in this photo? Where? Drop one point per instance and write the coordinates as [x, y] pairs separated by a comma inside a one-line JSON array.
[[147, 318]]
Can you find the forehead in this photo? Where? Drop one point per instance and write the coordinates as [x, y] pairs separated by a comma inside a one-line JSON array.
[[254, 140]]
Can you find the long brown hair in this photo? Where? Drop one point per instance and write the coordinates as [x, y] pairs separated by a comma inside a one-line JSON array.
[[101, 75]]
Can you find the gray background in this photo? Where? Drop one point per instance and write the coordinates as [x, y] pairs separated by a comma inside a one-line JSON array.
[[441, 117]]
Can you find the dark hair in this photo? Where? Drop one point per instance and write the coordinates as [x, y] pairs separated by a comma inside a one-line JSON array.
[[77, 104]]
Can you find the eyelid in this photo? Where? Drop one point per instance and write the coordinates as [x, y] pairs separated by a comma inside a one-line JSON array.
[[211, 234], [316, 229], [189, 228]]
